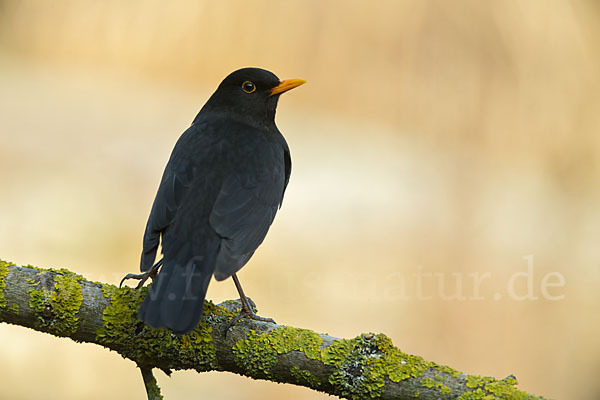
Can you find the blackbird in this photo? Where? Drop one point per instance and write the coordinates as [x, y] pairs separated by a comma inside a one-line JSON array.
[[217, 198]]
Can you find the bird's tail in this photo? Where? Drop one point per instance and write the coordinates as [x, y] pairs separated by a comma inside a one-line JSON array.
[[176, 298]]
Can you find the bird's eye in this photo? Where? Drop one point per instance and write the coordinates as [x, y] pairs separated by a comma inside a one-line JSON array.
[[248, 87]]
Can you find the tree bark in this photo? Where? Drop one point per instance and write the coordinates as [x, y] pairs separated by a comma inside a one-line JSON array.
[[63, 303]]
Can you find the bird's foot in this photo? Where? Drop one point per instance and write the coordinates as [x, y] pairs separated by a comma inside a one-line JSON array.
[[247, 312], [143, 277]]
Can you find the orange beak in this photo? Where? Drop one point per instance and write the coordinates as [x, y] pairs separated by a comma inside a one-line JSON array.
[[286, 85]]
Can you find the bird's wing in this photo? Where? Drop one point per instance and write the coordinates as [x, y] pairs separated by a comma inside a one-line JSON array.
[[174, 184], [243, 212], [288, 170]]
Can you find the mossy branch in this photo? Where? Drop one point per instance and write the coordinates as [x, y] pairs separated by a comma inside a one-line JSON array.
[[62, 303], [152, 389]]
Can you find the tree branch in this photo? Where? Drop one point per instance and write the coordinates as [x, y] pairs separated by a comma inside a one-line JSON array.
[[152, 389], [62, 303]]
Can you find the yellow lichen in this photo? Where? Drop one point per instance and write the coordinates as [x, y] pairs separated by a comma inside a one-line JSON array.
[[488, 388], [122, 331], [257, 354], [305, 377], [3, 274], [57, 308]]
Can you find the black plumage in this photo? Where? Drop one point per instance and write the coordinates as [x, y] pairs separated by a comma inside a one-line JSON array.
[[217, 198]]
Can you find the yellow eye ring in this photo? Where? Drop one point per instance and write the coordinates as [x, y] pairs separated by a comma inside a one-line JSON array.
[[248, 87]]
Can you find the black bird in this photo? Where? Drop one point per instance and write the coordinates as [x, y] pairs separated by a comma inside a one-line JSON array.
[[217, 198]]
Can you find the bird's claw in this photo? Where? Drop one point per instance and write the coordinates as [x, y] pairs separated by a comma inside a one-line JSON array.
[[247, 313], [143, 277]]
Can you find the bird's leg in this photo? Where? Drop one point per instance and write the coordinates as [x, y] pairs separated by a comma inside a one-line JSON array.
[[247, 310], [143, 277]]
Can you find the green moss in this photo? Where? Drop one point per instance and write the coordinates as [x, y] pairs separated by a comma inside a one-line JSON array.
[[123, 332], [154, 392], [229, 308], [447, 370], [197, 347], [109, 290], [474, 381], [337, 352], [427, 382], [285, 339], [213, 313], [37, 302], [354, 359], [13, 309], [362, 364], [399, 365], [257, 354], [445, 389], [56, 309], [476, 394], [436, 382], [152, 389], [65, 303], [3, 274], [487, 388], [305, 377], [416, 393], [431, 383]]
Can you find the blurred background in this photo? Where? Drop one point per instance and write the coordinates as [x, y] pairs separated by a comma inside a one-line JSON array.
[[436, 145]]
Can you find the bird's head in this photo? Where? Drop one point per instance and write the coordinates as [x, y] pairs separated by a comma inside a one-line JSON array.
[[251, 93]]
